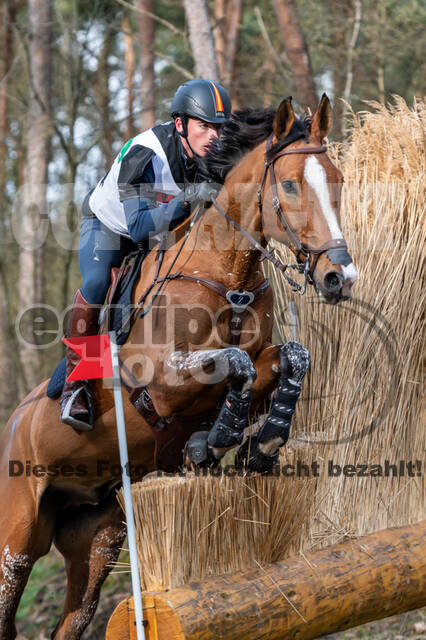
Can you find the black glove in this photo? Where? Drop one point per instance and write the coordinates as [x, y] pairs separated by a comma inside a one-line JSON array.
[[199, 192]]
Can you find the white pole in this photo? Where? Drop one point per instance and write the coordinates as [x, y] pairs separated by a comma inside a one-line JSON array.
[[124, 459], [292, 310]]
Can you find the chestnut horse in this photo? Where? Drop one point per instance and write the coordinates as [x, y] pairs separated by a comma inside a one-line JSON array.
[[57, 484]]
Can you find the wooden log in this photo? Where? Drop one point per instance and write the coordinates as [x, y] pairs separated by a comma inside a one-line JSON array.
[[304, 597]]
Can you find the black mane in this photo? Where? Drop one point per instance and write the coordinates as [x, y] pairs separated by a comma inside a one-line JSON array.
[[242, 133]]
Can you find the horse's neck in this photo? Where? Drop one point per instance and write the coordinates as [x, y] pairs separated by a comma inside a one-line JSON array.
[[230, 255]]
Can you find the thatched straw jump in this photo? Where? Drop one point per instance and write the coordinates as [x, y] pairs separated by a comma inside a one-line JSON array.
[[366, 414]]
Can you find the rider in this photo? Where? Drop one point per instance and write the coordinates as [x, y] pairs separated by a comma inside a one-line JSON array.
[[148, 189]]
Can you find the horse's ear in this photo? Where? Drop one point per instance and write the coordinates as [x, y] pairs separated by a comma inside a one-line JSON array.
[[284, 119], [322, 119]]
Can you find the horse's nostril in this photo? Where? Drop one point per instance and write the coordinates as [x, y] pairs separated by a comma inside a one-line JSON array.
[[333, 281]]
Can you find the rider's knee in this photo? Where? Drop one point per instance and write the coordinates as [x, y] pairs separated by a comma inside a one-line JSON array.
[[94, 290]]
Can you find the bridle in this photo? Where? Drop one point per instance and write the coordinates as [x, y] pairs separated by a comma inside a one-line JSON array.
[[306, 255]]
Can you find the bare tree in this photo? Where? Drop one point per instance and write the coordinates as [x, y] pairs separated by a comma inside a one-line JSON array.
[[350, 54], [6, 48], [8, 12], [147, 41], [129, 66], [103, 98], [32, 205], [297, 53], [220, 34], [381, 30], [234, 12], [226, 38], [340, 13], [201, 39]]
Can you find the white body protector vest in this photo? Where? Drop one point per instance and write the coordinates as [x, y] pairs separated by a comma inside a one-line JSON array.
[[106, 199]]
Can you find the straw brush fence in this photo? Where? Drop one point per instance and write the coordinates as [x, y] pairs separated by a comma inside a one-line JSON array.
[[361, 401]]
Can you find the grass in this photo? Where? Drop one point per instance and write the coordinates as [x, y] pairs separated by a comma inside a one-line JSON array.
[[42, 601]]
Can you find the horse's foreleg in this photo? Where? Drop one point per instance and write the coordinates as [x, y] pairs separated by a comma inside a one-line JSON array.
[[292, 362], [232, 367], [228, 429], [89, 537]]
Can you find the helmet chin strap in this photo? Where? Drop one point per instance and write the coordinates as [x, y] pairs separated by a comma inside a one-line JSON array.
[[184, 133]]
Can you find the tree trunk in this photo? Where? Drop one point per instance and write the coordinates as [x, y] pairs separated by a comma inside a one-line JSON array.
[[381, 31], [33, 207], [147, 42], [219, 35], [297, 53], [129, 65], [6, 385], [340, 13], [235, 10], [201, 39], [350, 54], [103, 97], [5, 54]]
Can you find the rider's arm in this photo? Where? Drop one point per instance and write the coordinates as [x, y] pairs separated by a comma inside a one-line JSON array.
[[145, 219], [144, 215]]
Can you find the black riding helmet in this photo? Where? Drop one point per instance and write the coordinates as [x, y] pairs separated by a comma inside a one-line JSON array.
[[202, 99]]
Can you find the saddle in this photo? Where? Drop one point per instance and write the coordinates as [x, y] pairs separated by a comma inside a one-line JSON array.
[[114, 315]]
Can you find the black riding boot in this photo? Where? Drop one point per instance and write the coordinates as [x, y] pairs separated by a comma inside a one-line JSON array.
[[76, 400]]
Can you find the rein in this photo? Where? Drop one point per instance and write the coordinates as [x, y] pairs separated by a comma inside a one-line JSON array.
[[241, 299], [268, 255]]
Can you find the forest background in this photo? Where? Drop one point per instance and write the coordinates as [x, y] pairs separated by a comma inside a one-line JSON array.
[[79, 78]]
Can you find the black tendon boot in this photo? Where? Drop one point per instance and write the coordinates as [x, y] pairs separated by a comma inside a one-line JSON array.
[[262, 449], [228, 430]]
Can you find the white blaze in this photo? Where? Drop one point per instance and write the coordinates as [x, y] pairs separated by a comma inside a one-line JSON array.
[[316, 178]]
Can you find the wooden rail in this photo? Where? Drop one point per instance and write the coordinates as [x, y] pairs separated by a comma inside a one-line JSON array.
[[304, 597]]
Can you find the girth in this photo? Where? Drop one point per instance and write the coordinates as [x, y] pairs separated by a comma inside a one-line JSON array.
[[239, 299]]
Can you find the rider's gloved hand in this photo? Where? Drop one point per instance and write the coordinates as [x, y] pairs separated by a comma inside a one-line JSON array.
[[199, 192]]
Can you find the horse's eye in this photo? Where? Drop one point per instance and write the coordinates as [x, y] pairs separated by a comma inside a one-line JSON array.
[[290, 187]]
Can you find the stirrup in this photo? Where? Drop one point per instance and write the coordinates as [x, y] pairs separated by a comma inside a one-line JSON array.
[[73, 422]]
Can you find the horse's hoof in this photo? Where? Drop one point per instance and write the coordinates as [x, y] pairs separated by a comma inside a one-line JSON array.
[[252, 457], [241, 371], [197, 451]]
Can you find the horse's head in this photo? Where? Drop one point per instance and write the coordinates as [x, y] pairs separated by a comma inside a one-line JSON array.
[[300, 199]]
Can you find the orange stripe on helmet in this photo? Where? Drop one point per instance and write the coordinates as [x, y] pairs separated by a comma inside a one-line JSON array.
[[219, 104]]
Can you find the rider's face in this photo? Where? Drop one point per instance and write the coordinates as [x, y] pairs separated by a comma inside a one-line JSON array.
[[200, 135]]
